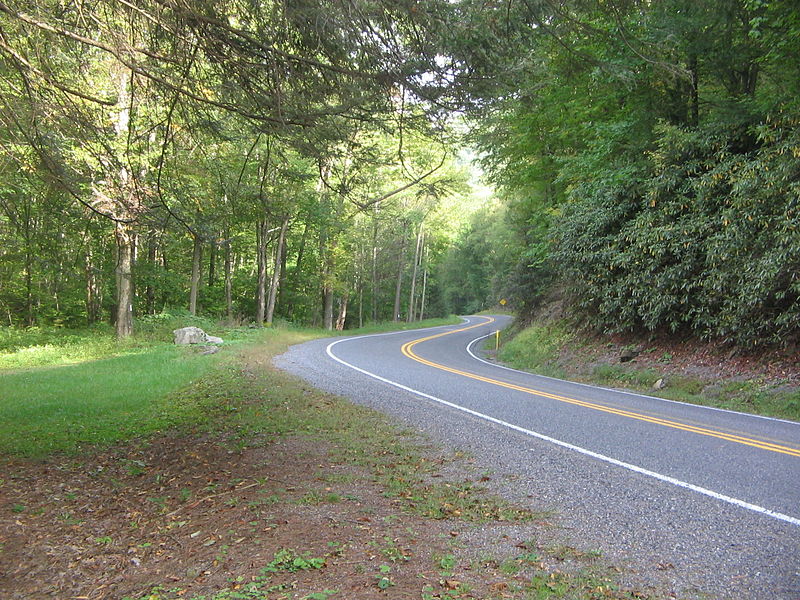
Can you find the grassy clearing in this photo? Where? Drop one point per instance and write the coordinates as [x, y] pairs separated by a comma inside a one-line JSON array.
[[61, 409], [62, 390]]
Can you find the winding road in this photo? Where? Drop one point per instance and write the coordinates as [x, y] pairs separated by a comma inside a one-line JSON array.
[[702, 500]]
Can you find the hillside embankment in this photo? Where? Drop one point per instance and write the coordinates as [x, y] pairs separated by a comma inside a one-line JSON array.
[[763, 381]]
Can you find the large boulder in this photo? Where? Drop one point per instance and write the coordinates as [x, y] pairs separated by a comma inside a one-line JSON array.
[[194, 335]]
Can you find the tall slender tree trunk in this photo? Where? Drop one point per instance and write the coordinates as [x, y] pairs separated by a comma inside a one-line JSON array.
[[228, 278], [150, 292], [327, 307], [279, 300], [261, 250], [212, 264], [375, 265], [412, 308], [92, 295], [30, 319], [298, 272], [360, 303], [124, 276], [128, 210], [165, 264], [424, 287], [342, 317], [197, 260], [326, 252], [276, 272], [399, 285]]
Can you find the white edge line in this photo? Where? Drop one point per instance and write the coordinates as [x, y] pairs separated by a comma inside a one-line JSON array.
[[618, 391], [568, 446]]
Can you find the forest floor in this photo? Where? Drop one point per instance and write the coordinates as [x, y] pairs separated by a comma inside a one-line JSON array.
[[290, 493]]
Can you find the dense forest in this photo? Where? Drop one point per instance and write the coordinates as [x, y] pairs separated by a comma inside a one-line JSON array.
[[301, 160]]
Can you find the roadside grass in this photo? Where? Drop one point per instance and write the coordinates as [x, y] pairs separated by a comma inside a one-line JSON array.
[[63, 390], [750, 396], [537, 349]]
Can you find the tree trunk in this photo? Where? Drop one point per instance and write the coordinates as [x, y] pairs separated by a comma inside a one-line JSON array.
[[212, 263], [276, 272], [327, 307], [412, 308], [29, 313], [360, 304], [150, 292], [298, 272], [424, 287], [261, 241], [326, 252], [340, 320], [165, 264], [92, 299], [197, 258], [279, 300], [228, 279], [124, 276], [375, 265], [399, 286]]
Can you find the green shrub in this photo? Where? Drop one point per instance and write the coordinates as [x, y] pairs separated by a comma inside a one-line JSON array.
[[706, 239]]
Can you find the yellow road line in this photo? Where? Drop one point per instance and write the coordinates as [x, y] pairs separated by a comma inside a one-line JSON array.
[[407, 350]]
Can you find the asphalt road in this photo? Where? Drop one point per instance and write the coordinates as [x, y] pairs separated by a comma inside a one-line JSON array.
[[698, 500]]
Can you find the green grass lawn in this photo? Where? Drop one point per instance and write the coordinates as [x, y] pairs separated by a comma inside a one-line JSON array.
[[63, 408], [62, 390]]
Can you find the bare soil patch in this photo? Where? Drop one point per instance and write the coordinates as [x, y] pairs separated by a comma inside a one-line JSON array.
[[191, 515]]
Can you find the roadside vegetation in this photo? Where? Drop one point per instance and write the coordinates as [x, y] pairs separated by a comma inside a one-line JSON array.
[[220, 477], [687, 372]]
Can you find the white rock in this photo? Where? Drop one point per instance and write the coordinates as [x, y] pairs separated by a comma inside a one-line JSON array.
[[189, 335]]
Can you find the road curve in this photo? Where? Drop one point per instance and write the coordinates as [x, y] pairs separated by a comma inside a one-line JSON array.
[[704, 500]]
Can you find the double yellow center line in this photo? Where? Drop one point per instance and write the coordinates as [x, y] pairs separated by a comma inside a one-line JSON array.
[[408, 350]]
